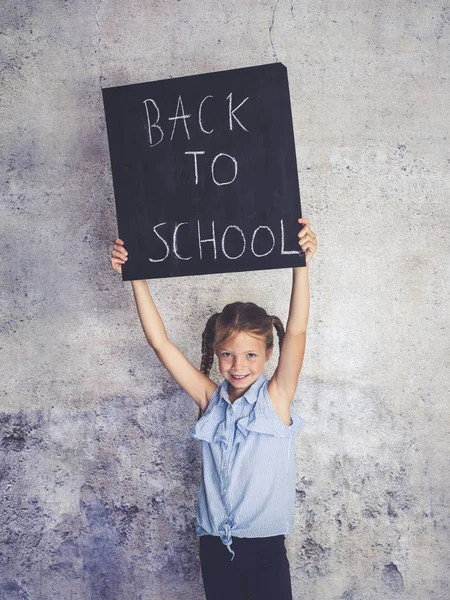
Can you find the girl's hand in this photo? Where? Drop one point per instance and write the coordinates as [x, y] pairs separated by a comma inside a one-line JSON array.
[[307, 239], [118, 256]]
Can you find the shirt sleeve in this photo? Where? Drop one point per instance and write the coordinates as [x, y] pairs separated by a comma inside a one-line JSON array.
[[264, 419], [206, 426]]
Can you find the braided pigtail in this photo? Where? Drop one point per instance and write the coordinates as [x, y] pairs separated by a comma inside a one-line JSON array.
[[279, 329], [208, 336]]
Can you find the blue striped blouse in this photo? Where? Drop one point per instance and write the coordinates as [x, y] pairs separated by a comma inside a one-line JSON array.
[[247, 486]]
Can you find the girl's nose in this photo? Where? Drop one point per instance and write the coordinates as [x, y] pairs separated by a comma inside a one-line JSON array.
[[238, 363]]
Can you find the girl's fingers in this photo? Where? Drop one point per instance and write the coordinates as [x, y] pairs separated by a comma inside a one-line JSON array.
[[307, 238], [119, 254], [308, 245], [120, 249], [304, 231]]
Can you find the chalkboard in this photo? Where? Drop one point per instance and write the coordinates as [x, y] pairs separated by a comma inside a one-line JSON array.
[[205, 173]]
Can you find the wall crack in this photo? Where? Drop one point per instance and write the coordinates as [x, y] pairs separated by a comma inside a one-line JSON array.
[[99, 41], [271, 27]]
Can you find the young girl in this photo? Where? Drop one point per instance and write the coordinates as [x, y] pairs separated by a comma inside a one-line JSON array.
[[247, 491]]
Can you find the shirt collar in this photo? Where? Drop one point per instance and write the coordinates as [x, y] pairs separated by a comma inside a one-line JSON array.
[[250, 395]]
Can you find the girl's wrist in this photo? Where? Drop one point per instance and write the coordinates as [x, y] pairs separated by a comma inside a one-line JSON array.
[[138, 282]]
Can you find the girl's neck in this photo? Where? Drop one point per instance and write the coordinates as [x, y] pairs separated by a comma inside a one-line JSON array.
[[234, 394]]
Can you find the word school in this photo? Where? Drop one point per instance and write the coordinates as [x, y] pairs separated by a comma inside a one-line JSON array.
[[262, 238]]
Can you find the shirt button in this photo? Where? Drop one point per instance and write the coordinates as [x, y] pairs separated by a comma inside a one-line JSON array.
[[225, 465]]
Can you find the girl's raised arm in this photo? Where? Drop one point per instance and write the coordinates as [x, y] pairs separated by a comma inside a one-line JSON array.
[[196, 384], [284, 381]]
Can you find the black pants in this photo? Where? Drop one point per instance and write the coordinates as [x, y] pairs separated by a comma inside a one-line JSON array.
[[259, 570]]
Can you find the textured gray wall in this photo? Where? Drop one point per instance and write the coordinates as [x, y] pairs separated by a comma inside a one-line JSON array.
[[98, 477]]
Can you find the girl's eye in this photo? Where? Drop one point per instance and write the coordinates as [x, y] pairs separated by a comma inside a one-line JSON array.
[[226, 354], [251, 355]]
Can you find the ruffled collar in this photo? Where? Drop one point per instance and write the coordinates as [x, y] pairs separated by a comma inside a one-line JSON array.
[[250, 395], [262, 418]]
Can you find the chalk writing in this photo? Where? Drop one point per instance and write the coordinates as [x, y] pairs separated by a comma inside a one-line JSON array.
[[235, 169], [232, 158], [213, 240], [273, 240], [194, 154], [243, 240], [175, 242], [200, 116], [155, 124], [163, 241], [180, 114], [205, 173], [183, 116], [228, 252], [232, 110]]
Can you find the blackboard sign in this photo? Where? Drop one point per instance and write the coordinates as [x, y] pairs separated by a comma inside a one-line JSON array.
[[205, 173]]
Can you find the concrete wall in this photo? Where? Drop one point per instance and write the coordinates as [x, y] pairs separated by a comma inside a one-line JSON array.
[[98, 477]]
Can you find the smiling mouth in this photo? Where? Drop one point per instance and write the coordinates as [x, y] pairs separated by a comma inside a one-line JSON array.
[[238, 377]]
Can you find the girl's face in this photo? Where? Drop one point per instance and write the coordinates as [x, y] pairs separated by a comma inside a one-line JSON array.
[[241, 360]]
